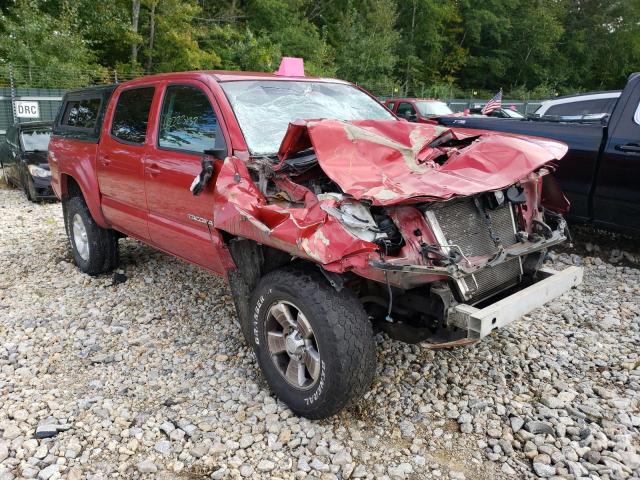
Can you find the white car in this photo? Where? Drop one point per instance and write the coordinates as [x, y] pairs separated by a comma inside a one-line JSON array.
[[579, 105]]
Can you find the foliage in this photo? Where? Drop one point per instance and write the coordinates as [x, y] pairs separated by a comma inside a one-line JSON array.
[[405, 47]]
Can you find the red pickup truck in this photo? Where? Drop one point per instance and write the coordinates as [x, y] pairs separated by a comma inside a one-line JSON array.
[[329, 217]]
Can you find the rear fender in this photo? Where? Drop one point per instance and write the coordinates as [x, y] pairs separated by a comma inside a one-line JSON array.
[[87, 183]]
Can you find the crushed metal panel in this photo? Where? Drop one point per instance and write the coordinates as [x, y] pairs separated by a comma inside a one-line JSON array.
[[386, 162]]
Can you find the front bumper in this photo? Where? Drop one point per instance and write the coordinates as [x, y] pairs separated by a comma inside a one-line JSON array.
[[43, 188], [481, 322]]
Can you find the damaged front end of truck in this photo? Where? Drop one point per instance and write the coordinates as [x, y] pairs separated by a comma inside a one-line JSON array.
[[440, 232]]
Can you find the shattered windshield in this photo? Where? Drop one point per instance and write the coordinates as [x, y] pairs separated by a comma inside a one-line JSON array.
[[34, 140], [264, 108]]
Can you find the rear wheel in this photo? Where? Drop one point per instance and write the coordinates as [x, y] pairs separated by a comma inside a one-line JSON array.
[[95, 249], [314, 345]]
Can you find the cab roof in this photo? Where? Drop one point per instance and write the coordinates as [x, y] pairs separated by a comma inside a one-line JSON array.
[[230, 76]]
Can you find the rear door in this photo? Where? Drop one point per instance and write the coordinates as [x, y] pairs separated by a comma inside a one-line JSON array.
[[179, 222], [121, 156], [616, 199]]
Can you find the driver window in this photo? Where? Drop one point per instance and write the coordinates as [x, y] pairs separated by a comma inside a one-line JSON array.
[[188, 121], [406, 110]]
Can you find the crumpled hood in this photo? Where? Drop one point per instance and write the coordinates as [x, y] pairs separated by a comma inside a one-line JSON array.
[[391, 162]]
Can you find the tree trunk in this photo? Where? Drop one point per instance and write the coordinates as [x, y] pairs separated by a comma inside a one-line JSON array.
[[152, 33], [135, 16]]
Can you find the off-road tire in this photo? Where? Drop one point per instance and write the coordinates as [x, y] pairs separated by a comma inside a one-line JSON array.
[[103, 242], [342, 331]]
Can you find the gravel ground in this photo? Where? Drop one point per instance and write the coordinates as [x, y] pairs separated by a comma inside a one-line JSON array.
[[150, 379]]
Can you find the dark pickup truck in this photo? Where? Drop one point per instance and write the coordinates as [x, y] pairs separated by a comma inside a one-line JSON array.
[[601, 172]]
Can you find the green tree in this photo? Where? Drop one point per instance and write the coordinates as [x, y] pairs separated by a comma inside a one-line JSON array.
[[46, 51], [365, 40]]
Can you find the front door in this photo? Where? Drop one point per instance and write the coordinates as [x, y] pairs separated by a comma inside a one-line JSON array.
[[121, 161], [179, 222], [616, 198]]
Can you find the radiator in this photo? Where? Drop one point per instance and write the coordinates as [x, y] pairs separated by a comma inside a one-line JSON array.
[[459, 222]]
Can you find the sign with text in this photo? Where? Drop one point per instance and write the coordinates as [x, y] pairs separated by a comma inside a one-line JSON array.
[[26, 109]]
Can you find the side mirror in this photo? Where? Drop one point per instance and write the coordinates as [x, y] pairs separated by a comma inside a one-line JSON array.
[[209, 156]]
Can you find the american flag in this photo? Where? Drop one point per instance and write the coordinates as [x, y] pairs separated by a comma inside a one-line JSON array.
[[495, 102]]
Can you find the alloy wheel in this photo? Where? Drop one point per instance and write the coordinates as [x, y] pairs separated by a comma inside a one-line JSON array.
[[292, 345]]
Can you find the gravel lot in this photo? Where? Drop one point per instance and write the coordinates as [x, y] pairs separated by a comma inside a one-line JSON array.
[[150, 379]]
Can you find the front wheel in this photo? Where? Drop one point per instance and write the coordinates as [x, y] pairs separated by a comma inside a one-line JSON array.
[[314, 345], [30, 189]]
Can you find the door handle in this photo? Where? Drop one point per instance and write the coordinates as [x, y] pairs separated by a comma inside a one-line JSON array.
[[153, 170], [105, 161], [629, 147]]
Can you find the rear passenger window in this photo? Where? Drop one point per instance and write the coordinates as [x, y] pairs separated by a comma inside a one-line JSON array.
[[81, 113], [132, 115], [188, 121], [584, 107]]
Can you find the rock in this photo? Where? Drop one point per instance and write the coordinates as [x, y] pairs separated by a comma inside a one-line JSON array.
[[163, 447], [592, 456], [11, 431], [4, 451], [507, 469], [48, 472], [359, 472], [631, 460], [516, 424], [46, 430], [246, 470], [266, 466], [400, 471], [533, 353], [220, 473], [341, 458], [199, 450], [552, 402], [577, 470], [542, 467], [147, 466], [537, 427]]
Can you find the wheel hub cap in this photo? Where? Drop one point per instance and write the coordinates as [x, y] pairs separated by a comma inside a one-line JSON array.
[[80, 238], [292, 345]]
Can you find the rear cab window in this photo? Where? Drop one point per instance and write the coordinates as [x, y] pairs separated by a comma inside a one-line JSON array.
[[81, 113], [187, 122], [131, 117]]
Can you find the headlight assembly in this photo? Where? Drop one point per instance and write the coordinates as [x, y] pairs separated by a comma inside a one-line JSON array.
[[37, 171]]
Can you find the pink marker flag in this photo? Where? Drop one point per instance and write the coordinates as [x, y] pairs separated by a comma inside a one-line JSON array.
[[291, 67]]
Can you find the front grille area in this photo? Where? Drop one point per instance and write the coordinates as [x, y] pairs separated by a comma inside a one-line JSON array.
[[460, 223]]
